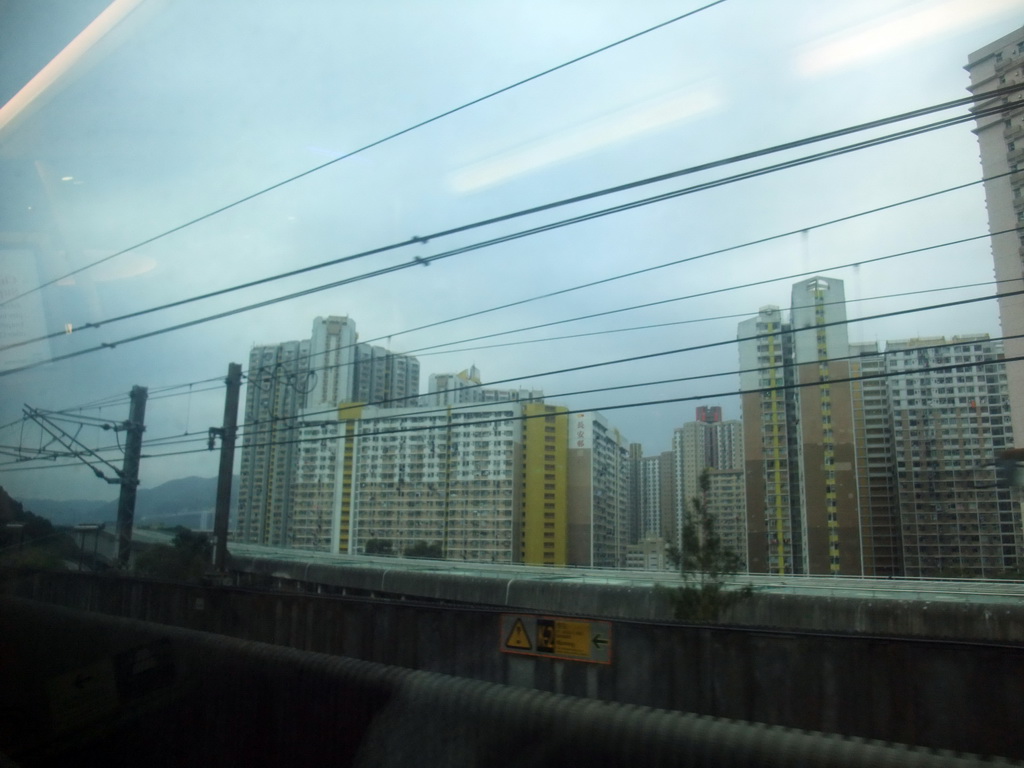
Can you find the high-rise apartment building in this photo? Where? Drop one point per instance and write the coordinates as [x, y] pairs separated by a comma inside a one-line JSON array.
[[774, 516], [710, 444], [598, 492], [479, 483], [294, 390], [635, 524], [331, 364], [465, 387], [1001, 140], [653, 497], [648, 481], [948, 425], [803, 515], [875, 463], [545, 480], [384, 378], [450, 480], [276, 391], [726, 503]]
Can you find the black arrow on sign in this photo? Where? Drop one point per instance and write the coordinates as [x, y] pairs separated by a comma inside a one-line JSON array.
[[600, 641]]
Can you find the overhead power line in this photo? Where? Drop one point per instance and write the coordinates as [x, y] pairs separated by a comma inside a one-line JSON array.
[[365, 147], [251, 431], [466, 249], [710, 345], [188, 437], [716, 291], [425, 261], [613, 407], [122, 399]]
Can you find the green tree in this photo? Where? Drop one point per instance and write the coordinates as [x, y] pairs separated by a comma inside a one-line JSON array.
[[704, 563], [380, 547], [423, 549], [187, 558], [30, 541]]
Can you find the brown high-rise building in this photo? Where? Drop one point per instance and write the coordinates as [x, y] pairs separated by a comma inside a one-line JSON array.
[[802, 510]]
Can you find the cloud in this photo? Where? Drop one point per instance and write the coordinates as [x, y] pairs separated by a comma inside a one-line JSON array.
[[895, 31], [651, 115]]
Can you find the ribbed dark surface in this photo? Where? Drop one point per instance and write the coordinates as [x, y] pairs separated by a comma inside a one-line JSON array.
[[233, 702]]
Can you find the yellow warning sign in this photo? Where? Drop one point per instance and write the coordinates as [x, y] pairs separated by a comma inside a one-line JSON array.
[[556, 637], [573, 638], [518, 638]]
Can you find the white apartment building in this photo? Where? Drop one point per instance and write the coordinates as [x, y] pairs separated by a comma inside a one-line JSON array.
[[447, 479], [294, 390]]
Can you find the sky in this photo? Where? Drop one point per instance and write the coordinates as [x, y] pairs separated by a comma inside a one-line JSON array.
[[183, 108]]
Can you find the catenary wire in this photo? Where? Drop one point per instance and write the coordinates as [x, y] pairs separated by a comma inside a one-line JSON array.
[[416, 261], [366, 147], [466, 249], [711, 292], [716, 344], [193, 438], [613, 407], [249, 433], [698, 295], [945, 305], [121, 399]]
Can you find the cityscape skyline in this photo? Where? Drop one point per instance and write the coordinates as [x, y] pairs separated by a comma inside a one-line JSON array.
[[834, 444], [931, 71]]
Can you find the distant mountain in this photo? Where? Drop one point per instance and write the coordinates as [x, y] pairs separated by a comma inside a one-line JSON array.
[[188, 501]]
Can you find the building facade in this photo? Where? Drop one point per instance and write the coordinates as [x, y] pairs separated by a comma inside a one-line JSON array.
[[465, 387], [727, 505], [708, 443], [277, 377], [598, 461], [802, 505], [648, 481], [950, 418], [294, 390], [448, 483], [1001, 141], [875, 463]]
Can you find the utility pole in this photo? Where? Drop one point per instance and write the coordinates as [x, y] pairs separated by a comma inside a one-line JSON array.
[[134, 428], [227, 464]]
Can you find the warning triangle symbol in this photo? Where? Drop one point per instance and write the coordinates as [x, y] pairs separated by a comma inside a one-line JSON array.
[[518, 638]]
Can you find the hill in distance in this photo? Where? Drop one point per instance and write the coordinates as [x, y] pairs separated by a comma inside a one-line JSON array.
[[187, 501]]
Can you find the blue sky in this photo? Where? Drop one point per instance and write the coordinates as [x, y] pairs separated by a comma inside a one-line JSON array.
[[188, 106]]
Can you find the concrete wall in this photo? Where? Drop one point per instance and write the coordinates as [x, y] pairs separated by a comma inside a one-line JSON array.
[[940, 694], [964, 620], [96, 690]]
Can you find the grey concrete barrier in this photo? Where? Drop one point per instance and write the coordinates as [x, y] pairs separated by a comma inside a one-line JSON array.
[[80, 688]]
